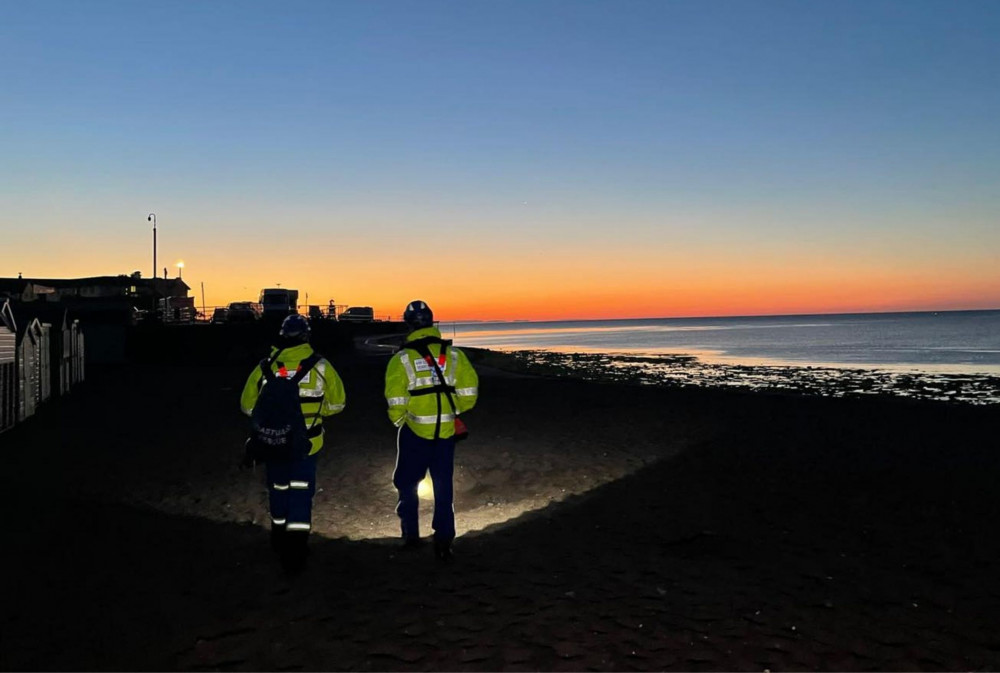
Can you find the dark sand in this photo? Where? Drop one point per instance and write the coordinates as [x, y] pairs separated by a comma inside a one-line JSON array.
[[653, 529]]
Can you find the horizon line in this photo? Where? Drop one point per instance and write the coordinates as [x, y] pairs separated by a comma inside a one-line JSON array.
[[716, 317]]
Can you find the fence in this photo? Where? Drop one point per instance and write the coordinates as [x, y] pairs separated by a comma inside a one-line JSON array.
[[323, 311]]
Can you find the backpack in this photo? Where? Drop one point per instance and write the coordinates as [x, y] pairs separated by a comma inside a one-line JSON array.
[[277, 427]]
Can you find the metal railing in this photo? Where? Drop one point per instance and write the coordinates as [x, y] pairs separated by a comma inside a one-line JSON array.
[[205, 314]]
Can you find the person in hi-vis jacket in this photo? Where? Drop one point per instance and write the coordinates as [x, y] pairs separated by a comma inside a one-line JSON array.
[[291, 484], [426, 409]]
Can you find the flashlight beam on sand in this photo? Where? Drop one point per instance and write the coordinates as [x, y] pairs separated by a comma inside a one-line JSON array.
[[425, 489]]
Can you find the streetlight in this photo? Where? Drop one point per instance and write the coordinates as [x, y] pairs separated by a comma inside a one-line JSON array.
[[152, 218], [180, 269]]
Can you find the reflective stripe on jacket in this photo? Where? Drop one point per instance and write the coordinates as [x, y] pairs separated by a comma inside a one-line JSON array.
[[408, 373], [321, 391]]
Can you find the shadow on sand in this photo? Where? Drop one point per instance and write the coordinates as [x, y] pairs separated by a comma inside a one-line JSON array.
[[807, 534]]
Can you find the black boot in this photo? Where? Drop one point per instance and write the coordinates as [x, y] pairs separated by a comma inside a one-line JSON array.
[[294, 550], [278, 533], [442, 550], [411, 543]]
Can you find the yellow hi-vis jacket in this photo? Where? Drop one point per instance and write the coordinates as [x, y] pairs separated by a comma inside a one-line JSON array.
[[321, 391], [408, 373]]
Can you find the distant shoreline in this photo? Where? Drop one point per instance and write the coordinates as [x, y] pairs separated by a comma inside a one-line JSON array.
[[963, 343], [546, 321], [685, 371]]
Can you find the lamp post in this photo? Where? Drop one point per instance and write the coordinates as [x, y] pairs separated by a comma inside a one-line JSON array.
[[180, 269], [152, 218], [152, 287]]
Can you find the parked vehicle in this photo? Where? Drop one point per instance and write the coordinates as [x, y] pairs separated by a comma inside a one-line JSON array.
[[278, 302], [243, 311], [219, 315], [358, 314]]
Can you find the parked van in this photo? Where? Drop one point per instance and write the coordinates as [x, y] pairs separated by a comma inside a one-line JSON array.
[[358, 314], [278, 302]]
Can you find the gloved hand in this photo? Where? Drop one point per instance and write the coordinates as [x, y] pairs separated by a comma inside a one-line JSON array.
[[461, 430]]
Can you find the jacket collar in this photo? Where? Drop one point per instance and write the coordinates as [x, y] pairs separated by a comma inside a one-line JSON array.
[[423, 332], [295, 353]]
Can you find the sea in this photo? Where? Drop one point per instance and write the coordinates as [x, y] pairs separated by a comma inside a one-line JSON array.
[[964, 342], [940, 354]]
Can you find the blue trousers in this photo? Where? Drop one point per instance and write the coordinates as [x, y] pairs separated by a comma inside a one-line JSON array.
[[290, 488], [415, 458]]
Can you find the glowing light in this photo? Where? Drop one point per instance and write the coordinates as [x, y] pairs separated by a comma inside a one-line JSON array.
[[425, 489], [479, 504]]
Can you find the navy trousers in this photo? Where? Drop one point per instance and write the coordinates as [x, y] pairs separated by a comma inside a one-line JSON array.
[[290, 488], [415, 458]]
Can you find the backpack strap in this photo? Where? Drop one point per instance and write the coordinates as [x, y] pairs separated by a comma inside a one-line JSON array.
[[422, 349], [265, 365], [265, 370], [315, 429], [305, 366]]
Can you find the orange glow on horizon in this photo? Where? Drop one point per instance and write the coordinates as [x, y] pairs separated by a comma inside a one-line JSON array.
[[571, 285], [491, 299]]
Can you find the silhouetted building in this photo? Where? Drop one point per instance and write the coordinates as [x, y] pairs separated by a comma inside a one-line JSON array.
[[142, 291], [102, 306], [39, 357], [8, 367]]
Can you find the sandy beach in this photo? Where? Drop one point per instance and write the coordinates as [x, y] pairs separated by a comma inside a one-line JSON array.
[[602, 526]]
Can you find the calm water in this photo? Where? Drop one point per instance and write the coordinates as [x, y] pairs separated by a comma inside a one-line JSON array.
[[949, 341]]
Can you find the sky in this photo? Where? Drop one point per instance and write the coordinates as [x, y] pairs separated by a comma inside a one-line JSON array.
[[511, 159]]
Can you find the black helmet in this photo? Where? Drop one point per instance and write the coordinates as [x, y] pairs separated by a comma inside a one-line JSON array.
[[418, 315], [295, 329]]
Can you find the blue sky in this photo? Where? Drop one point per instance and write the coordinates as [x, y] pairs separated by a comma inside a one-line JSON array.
[[810, 126]]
